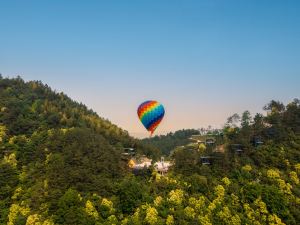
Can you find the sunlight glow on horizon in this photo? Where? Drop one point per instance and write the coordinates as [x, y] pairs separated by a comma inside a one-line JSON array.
[[203, 60]]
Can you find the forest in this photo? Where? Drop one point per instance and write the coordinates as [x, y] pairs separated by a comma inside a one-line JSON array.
[[61, 163]]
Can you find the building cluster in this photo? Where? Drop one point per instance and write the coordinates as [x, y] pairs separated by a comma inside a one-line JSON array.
[[143, 163], [211, 146]]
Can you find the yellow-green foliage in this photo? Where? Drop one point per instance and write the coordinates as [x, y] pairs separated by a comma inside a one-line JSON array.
[[158, 201], [151, 216], [226, 181], [198, 204], [109, 204], [17, 193], [247, 168], [15, 210], [202, 147], [219, 191], [227, 217], [3, 131], [91, 210], [189, 212], [204, 220], [275, 220], [170, 220], [36, 219], [11, 159], [273, 174], [112, 220], [297, 168], [176, 197], [294, 177]]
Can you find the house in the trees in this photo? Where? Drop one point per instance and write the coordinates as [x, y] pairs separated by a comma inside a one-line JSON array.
[[140, 166], [206, 160], [162, 166], [237, 148], [257, 141]]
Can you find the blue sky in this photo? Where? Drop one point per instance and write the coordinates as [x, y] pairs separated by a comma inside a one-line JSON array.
[[204, 60]]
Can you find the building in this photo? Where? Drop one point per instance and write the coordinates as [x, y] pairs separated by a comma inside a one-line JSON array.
[[140, 163], [162, 166]]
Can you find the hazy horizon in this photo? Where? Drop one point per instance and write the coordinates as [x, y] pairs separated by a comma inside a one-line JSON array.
[[203, 60]]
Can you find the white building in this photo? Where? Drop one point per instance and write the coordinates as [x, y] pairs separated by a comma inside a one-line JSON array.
[[162, 166], [140, 163]]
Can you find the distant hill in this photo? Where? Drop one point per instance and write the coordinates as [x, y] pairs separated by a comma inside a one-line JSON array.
[[167, 143]]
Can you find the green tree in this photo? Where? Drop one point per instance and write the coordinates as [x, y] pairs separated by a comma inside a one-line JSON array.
[[131, 194], [71, 210]]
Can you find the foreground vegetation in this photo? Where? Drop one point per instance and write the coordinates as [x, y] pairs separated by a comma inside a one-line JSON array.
[[61, 164]]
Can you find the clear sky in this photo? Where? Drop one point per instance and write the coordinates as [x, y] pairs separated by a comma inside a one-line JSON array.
[[203, 60]]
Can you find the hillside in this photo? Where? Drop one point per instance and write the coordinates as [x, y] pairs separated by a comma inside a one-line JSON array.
[[166, 143], [60, 163], [50, 143]]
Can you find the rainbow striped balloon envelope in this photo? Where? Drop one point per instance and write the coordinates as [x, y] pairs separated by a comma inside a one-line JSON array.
[[151, 114]]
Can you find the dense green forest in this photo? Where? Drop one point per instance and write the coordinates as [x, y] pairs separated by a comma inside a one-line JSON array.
[[167, 143], [62, 164]]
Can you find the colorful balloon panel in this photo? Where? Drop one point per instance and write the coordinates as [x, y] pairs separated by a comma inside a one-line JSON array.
[[151, 114]]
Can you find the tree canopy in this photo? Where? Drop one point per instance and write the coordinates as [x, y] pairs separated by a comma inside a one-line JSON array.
[[60, 163]]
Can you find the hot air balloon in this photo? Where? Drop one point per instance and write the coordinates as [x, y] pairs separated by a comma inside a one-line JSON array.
[[151, 114]]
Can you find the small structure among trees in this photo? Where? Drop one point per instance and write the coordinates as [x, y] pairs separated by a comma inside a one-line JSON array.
[[237, 148], [162, 166], [206, 160], [257, 141], [129, 152]]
